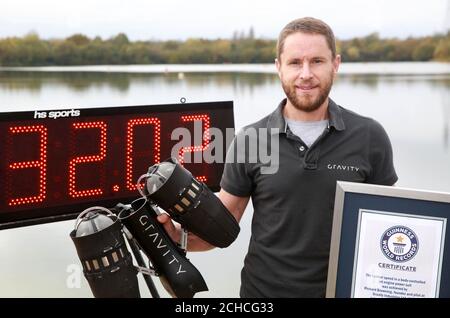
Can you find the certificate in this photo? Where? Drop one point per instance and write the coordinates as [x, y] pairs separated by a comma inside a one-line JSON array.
[[397, 255], [389, 242]]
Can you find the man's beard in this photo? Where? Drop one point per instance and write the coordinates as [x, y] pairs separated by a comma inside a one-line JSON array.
[[307, 103]]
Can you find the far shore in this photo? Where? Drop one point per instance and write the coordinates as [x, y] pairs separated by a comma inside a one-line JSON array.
[[370, 68]]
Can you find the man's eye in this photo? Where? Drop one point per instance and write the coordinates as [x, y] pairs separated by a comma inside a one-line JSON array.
[[317, 61]]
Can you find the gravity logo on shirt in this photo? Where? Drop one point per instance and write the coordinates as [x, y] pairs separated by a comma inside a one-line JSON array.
[[332, 166]]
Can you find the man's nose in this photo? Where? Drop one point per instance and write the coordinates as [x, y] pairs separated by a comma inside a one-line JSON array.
[[305, 72]]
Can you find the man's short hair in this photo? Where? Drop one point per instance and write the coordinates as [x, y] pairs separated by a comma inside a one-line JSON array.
[[307, 25]]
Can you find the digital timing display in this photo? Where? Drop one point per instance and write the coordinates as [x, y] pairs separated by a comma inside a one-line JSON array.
[[55, 164]]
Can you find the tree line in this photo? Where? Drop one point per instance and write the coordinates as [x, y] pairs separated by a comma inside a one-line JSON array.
[[78, 49]]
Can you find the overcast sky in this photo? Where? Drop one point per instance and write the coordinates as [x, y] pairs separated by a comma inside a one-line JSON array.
[[181, 19]]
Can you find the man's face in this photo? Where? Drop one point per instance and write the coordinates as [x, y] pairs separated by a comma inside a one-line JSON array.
[[306, 69]]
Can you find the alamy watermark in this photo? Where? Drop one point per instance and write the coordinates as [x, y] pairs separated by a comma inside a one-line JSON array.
[[257, 146], [73, 279]]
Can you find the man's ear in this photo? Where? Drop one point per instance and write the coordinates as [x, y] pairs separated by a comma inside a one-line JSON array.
[[336, 63], [278, 66]]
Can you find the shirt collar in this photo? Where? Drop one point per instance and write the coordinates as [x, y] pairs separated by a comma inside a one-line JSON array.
[[277, 124]]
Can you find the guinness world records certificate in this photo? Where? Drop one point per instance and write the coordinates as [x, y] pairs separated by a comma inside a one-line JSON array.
[[397, 255], [389, 242]]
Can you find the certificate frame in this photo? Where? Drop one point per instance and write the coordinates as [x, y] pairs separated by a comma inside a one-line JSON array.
[[352, 199]]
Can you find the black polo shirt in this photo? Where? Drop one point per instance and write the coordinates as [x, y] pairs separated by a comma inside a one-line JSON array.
[[293, 208]]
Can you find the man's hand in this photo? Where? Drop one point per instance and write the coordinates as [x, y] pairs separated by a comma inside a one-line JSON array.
[[173, 231], [194, 243], [236, 205]]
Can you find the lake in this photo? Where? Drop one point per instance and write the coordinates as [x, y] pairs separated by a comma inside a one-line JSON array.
[[411, 101]]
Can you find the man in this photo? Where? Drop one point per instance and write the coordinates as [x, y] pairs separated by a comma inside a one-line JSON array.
[[319, 143]]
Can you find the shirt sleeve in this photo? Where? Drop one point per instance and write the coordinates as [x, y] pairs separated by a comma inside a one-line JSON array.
[[381, 157], [236, 179]]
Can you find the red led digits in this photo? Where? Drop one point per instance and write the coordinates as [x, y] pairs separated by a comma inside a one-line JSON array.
[[41, 163], [204, 118], [202, 178], [59, 162], [130, 148], [85, 159]]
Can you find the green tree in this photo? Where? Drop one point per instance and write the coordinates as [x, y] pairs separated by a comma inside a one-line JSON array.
[[424, 52], [120, 39], [442, 50], [353, 54], [66, 53], [78, 39], [242, 48]]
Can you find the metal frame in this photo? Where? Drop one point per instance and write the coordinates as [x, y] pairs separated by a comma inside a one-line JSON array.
[[344, 188]]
